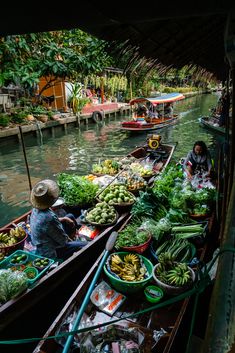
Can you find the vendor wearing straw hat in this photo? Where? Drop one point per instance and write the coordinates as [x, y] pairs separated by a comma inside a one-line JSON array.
[[48, 234]]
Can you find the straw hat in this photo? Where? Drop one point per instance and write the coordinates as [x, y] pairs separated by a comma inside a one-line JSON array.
[[44, 194]]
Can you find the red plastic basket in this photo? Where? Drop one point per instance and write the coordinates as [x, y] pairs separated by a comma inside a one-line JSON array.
[[138, 248]]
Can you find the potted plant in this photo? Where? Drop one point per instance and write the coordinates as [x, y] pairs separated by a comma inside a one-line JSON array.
[[172, 276]]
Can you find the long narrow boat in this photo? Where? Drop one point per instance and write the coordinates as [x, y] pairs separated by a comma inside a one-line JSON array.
[[148, 121], [210, 124], [141, 126], [71, 271], [166, 320]]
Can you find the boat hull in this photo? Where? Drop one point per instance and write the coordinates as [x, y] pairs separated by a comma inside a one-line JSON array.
[[140, 127], [204, 121], [171, 316], [70, 270]]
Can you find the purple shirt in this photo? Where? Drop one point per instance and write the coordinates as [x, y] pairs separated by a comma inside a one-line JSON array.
[[47, 232]]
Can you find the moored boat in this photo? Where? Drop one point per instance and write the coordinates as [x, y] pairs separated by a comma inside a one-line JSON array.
[[76, 266], [212, 124], [166, 320]]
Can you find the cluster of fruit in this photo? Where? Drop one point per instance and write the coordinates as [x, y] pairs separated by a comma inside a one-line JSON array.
[[116, 194], [129, 268], [172, 272], [13, 237], [41, 263], [102, 213], [18, 259], [143, 171], [133, 181], [108, 166]]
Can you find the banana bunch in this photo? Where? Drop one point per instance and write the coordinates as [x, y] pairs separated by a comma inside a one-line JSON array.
[[4, 237], [179, 276], [18, 233], [11, 238], [166, 260], [128, 269]]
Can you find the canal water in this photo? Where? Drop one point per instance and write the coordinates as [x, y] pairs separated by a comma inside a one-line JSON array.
[[76, 151]]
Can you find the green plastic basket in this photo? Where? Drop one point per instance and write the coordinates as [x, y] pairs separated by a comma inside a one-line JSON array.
[[126, 286]]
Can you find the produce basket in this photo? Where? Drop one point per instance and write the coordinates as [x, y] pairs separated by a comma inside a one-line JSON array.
[[127, 286], [103, 225], [169, 289], [123, 207], [198, 217], [138, 248], [154, 257], [6, 264], [9, 249], [102, 174]]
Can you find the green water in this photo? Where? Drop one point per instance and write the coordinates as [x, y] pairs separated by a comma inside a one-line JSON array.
[[77, 150]]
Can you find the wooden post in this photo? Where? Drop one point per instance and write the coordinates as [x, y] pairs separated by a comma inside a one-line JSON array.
[[130, 88], [25, 158], [102, 90]]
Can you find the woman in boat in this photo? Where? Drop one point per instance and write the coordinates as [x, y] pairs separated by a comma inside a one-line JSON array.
[[198, 160], [47, 232], [168, 110], [142, 110]]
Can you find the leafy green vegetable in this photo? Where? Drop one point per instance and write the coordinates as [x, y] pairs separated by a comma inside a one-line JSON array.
[[132, 235], [12, 283], [76, 190]]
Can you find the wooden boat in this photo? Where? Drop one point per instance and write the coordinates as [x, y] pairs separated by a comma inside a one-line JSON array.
[[71, 271], [211, 124], [169, 318], [147, 121]]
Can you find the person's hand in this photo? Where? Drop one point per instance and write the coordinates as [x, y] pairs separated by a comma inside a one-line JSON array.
[[66, 219]]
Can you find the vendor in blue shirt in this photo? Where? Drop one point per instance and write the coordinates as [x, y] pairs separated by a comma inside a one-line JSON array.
[[47, 231]]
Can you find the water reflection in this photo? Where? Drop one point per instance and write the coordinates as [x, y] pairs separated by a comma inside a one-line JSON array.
[[78, 149]]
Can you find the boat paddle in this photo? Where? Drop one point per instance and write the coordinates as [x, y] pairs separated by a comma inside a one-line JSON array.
[[108, 247]]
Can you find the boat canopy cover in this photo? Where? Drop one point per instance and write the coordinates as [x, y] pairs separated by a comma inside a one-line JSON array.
[[166, 98]]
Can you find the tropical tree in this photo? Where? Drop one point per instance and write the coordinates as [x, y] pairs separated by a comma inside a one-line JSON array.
[[68, 54]]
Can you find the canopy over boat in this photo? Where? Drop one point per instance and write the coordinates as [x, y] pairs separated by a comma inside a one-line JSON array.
[[166, 98]]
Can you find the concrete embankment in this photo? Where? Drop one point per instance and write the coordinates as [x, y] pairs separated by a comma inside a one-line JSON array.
[[91, 114]]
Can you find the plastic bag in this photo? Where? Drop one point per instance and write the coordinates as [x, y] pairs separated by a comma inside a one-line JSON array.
[[12, 283]]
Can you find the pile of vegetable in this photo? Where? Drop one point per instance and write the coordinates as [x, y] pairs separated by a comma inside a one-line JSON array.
[[133, 181], [117, 194], [108, 166], [132, 235], [180, 250], [143, 171], [41, 263], [76, 190], [102, 213], [12, 283]]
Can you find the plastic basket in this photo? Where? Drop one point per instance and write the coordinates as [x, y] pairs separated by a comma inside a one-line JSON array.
[[126, 286], [6, 264], [154, 257], [172, 290], [138, 248]]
